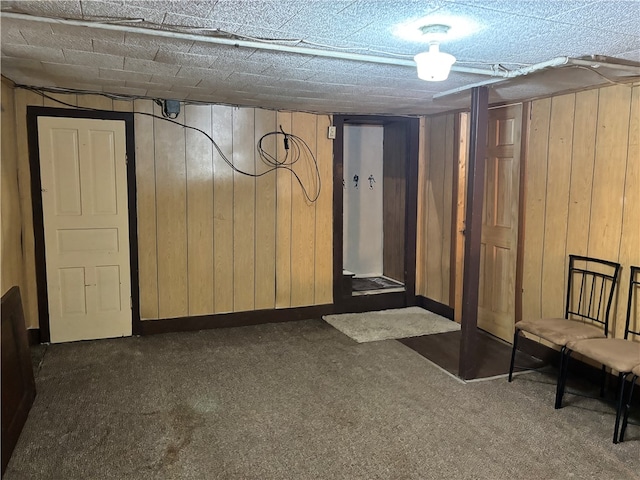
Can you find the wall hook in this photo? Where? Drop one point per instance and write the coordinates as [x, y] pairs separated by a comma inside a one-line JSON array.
[[371, 181]]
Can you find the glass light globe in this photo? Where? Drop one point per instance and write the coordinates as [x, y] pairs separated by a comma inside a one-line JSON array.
[[434, 65]]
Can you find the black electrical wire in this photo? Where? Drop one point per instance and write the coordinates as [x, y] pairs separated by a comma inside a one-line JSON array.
[[295, 148], [292, 143]]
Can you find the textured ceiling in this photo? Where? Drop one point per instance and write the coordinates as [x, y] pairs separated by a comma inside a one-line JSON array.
[[507, 32]]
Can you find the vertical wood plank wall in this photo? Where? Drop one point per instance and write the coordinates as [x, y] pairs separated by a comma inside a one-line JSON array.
[[582, 192], [582, 196], [29, 293], [11, 256], [437, 158], [210, 239]]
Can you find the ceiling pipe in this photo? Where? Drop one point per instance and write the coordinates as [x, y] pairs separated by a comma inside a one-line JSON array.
[[555, 62], [248, 44], [519, 72], [600, 63]]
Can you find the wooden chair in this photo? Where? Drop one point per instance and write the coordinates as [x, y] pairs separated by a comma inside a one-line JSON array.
[[591, 287], [620, 354]]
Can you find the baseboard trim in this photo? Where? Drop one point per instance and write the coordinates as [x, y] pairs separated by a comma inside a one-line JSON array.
[[436, 307], [538, 350], [234, 319], [33, 336], [371, 303]]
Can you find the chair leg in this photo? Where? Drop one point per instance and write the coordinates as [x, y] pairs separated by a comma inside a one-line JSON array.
[[603, 379], [621, 379], [625, 418], [565, 353], [516, 335]]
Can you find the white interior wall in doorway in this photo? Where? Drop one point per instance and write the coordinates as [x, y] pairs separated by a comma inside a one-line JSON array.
[[362, 205]]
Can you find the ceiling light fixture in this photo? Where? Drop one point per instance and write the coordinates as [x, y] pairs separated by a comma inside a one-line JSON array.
[[434, 65]]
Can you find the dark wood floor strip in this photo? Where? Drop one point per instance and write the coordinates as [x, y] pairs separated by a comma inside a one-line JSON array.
[[492, 355]]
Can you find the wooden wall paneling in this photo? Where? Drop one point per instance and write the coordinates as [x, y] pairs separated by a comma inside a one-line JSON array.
[[171, 217], [460, 200], [630, 240], [535, 198], [222, 133], [557, 201], [123, 105], [265, 206], [67, 98], [303, 216], [146, 201], [394, 199], [283, 220], [12, 264], [421, 221], [199, 165], [447, 216], [436, 192], [582, 163], [324, 215], [24, 98], [244, 190], [97, 102], [609, 171]]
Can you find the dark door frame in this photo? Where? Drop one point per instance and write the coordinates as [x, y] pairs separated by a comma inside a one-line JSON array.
[[33, 112], [384, 300]]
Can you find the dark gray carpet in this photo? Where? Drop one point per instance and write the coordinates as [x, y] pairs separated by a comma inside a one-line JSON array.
[[299, 401]]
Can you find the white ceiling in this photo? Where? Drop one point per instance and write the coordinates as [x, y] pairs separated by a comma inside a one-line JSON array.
[[508, 32]]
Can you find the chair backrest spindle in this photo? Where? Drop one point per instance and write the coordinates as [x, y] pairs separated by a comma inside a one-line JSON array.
[[634, 290]]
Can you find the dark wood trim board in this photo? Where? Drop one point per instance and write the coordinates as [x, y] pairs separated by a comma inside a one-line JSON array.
[[33, 335], [18, 384], [436, 307], [234, 319], [492, 358], [473, 229]]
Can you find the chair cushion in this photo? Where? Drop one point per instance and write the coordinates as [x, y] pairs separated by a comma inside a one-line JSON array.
[[636, 370], [560, 330], [617, 353]]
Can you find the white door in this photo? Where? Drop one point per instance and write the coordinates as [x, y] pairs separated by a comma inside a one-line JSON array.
[[86, 228]]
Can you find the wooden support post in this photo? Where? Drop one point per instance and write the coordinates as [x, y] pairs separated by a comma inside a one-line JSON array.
[[473, 230]]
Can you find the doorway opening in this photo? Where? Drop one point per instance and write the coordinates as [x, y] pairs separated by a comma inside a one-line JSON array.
[[363, 208], [374, 216]]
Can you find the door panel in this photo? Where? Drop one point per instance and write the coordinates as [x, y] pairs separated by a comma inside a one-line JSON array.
[[66, 172], [394, 199], [101, 162], [85, 211], [496, 311]]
